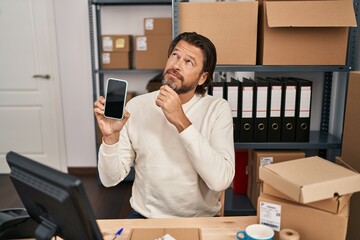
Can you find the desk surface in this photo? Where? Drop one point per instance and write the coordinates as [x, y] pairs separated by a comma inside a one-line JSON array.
[[221, 228]]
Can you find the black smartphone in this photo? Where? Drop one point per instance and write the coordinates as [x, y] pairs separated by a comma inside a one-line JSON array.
[[115, 98]]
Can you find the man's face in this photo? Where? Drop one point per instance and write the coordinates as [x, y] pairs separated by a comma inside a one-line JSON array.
[[183, 70]]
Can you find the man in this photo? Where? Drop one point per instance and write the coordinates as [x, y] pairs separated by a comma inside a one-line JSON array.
[[179, 139]]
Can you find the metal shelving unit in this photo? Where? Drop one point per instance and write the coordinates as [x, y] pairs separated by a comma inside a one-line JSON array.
[[322, 139]]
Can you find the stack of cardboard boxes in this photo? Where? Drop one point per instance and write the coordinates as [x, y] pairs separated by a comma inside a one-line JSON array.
[[259, 158], [116, 51], [151, 49], [309, 195]]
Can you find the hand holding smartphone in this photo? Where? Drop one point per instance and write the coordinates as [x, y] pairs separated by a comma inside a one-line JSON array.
[[115, 98]]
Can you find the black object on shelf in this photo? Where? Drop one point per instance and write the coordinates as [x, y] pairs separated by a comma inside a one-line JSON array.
[[237, 204]]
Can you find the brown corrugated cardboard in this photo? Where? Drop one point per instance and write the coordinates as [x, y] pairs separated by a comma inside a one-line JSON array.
[[116, 43], [157, 26], [353, 231], [156, 233], [333, 205], [151, 51], [309, 222], [310, 179], [350, 151], [264, 157], [116, 60], [231, 26], [304, 32]]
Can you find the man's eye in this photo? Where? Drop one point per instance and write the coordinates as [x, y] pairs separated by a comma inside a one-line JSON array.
[[188, 62]]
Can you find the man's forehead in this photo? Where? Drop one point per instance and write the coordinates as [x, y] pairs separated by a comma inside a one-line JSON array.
[[188, 48]]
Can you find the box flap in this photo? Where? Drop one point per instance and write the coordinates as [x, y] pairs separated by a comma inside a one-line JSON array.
[[310, 14], [310, 179]]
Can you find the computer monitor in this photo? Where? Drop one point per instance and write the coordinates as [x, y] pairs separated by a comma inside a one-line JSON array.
[[55, 200]]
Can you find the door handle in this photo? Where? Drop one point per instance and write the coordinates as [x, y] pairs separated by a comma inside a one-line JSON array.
[[46, 76]]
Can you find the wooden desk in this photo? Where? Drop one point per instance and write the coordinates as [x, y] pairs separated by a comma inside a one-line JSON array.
[[214, 228]]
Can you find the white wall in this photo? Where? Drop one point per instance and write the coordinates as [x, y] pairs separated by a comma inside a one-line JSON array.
[[73, 39]]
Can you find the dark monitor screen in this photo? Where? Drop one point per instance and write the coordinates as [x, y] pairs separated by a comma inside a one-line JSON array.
[[55, 200]]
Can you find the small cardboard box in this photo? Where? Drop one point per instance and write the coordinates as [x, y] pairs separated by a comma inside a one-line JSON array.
[[304, 32], [310, 223], [157, 26], [231, 26], [157, 233], [332, 205], [259, 158], [116, 60], [151, 52], [310, 179], [116, 43]]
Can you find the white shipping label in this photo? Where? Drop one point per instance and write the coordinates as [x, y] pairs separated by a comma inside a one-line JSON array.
[[275, 108], [149, 24], [266, 161], [261, 102], [106, 58], [270, 215], [247, 103], [141, 43], [290, 101], [305, 102], [107, 43], [233, 100]]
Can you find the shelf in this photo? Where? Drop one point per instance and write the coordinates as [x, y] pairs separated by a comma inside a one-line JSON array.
[[237, 204], [129, 2], [318, 140], [128, 71], [262, 68]]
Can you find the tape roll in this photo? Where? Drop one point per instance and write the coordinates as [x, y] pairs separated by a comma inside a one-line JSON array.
[[289, 234]]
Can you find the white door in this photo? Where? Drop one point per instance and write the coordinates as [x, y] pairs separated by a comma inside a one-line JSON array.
[[30, 106]]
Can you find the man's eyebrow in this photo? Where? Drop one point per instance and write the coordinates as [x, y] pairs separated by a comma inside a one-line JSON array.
[[187, 55]]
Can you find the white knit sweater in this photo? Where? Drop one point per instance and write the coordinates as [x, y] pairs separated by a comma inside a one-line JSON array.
[[176, 174]]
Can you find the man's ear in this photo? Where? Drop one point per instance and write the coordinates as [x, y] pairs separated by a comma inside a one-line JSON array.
[[203, 78]]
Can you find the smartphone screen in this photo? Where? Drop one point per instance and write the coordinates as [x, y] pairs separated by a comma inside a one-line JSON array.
[[115, 98]]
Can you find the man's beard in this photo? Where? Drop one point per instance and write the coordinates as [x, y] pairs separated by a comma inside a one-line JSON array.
[[171, 82]]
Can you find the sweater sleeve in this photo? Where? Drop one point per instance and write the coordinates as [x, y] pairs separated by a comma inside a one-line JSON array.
[[213, 158], [115, 161]]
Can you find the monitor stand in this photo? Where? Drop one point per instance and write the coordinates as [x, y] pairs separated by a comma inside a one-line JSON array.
[[45, 230]]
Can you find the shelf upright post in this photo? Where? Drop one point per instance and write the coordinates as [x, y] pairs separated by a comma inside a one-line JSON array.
[[99, 49]]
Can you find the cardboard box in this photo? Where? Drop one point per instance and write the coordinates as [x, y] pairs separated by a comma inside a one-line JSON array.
[[231, 26], [332, 205], [353, 231], [156, 233], [310, 179], [116, 43], [157, 26], [350, 151], [258, 158], [304, 32], [116, 60], [309, 222], [151, 52]]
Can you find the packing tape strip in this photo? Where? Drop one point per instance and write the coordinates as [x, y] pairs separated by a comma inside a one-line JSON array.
[[289, 234]]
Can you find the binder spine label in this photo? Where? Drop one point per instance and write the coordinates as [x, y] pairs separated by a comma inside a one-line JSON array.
[[305, 103], [275, 107], [261, 102], [247, 103], [218, 92], [290, 101], [233, 100]]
